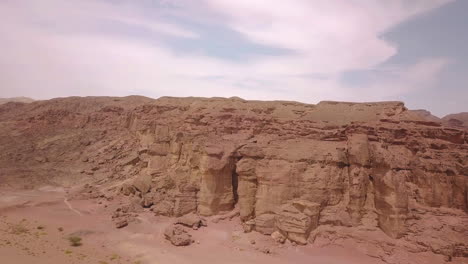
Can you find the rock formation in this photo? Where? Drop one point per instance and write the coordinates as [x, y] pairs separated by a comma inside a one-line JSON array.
[[426, 115], [16, 99], [177, 235], [298, 171], [456, 120]]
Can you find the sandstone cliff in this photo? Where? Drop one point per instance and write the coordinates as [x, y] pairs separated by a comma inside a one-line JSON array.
[[307, 172]]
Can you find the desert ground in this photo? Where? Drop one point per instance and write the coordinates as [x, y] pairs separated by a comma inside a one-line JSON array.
[[35, 226], [31, 223]]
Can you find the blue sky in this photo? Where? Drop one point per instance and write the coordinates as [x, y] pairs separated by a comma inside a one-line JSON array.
[[347, 50]]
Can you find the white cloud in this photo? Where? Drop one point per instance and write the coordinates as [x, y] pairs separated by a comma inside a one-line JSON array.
[[75, 55], [329, 36], [160, 27]]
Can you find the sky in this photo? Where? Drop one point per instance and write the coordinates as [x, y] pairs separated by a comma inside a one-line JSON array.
[[414, 51]]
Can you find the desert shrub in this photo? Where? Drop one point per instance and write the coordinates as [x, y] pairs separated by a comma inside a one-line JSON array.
[[75, 241], [18, 229], [60, 229], [114, 257]]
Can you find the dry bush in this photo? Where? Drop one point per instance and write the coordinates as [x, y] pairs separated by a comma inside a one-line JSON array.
[[75, 241], [18, 229]]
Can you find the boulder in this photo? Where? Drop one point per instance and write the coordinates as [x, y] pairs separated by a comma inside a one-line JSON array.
[[142, 183], [191, 220], [248, 226], [296, 220], [278, 237], [147, 200], [265, 224], [177, 235], [121, 223], [165, 208], [127, 189]]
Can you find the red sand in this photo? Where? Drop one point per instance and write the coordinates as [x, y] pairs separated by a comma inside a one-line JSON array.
[[141, 242]]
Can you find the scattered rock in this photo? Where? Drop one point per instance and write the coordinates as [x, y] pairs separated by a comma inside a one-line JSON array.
[[177, 235], [278, 237], [234, 213], [127, 189], [121, 223], [266, 250], [143, 183], [191, 220], [41, 159], [265, 223], [248, 226]]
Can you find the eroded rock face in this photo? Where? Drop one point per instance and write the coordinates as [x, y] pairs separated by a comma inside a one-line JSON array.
[[290, 169]]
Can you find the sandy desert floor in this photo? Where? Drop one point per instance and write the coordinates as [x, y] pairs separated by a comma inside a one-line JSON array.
[[35, 225]]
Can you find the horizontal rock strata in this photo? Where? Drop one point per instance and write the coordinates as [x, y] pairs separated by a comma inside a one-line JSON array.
[[289, 168]]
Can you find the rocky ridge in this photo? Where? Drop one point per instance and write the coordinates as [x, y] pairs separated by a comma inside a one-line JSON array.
[[374, 173], [456, 120], [16, 99]]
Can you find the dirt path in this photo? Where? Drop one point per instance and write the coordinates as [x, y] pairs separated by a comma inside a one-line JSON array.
[[65, 200]]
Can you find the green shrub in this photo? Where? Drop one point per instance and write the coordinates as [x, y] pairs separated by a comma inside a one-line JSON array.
[[75, 241], [114, 257]]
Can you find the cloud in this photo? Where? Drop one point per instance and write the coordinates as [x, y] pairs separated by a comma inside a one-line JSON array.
[[159, 27], [60, 48], [330, 36], [393, 81]]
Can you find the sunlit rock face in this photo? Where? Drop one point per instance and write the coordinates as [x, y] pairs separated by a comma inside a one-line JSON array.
[[287, 167]]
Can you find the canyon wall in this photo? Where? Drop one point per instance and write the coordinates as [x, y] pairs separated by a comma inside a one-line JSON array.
[[288, 167]]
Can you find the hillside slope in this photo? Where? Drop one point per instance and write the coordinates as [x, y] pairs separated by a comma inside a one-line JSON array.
[[373, 172], [460, 119]]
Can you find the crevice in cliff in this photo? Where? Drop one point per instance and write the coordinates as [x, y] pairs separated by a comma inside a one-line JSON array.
[[235, 184], [235, 179]]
